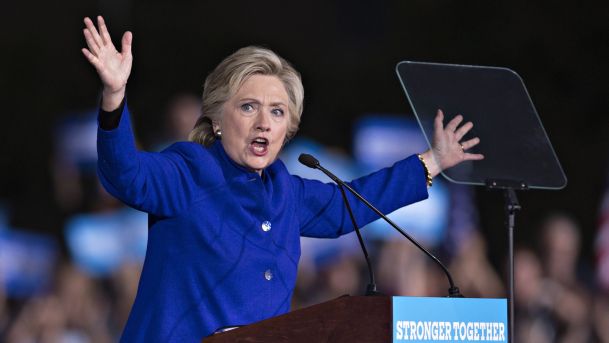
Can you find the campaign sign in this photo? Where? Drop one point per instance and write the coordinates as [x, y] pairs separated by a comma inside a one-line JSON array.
[[420, 319]]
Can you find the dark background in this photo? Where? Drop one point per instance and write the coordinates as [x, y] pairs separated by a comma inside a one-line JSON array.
[[346, 52]]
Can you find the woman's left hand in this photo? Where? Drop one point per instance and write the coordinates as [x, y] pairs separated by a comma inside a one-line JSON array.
[[446, 148]]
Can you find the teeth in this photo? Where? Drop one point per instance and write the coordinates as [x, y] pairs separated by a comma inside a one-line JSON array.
[[259, 149]]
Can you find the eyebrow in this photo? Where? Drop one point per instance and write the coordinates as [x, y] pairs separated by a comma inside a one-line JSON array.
[[276, 103]]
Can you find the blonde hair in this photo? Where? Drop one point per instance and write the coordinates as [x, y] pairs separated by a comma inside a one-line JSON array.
[[231, 73]]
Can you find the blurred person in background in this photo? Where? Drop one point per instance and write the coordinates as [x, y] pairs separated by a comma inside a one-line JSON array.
[[532, 305], [474, 274], [601, 244], [337, 276], [73, 161], [225, 216], [124, 285], [564, 279], [86, 305], [78, 308], [184, 110], [601, 318], [75, 311], [601, 248], [404, 270], [560, 244], [182, 113], [76, 187], [41, 319]]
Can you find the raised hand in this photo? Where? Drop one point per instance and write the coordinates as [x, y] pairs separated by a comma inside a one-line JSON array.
[[113, 67], [447, 150]]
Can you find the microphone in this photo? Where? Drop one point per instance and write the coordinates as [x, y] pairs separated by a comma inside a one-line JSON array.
[[312, 162], [308, 161]]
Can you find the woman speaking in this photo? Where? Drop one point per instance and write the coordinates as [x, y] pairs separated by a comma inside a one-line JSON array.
[[225, 216]]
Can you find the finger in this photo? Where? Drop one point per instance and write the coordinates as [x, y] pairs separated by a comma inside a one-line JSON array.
[[452, 125], [93, 31], [470, 143], [90, 57], [439, 121], [461, 131], [126, 43], [473, 157], [91, 43], [103, 30]]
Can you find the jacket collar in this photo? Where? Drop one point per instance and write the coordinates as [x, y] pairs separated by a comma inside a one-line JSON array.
[[234, 170]]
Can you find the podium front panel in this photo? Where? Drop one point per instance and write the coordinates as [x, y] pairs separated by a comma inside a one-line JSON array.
[[422, 319]]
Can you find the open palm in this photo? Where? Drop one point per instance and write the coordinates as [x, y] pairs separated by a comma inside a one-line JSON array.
[[447, 146], [112, 66], [447, 149]]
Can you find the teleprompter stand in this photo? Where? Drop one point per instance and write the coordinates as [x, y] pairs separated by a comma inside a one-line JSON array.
[[511, 206], [518, 153]]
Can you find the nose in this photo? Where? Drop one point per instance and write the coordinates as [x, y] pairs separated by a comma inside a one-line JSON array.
[[263, 122]]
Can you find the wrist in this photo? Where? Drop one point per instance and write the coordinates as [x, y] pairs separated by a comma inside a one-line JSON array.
[[430, 162], [111, 100]]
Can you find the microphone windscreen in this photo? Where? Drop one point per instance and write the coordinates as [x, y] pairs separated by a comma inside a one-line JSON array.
[[308, 160]]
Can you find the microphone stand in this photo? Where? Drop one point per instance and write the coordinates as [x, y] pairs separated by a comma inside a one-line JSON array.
[[371, 288]]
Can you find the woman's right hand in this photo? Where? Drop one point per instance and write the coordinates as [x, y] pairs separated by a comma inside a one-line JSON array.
[[113, 67]]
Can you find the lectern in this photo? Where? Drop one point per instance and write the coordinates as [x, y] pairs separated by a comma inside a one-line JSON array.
[[345, 319], [382, 319]]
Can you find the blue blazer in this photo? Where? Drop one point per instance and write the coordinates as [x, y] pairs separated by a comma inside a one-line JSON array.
[[223, 242]]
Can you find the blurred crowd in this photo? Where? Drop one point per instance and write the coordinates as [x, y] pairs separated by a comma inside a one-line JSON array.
[[557, 298], [92, 283]]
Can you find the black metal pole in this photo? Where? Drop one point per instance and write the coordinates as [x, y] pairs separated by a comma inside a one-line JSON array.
[[511, 282], [371, 287], [511, 206]]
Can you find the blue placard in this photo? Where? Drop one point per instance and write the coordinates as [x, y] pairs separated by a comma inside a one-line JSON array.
[[420, 319]]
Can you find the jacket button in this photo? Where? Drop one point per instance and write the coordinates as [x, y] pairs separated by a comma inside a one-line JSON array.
[[268, 274], [266, 226]]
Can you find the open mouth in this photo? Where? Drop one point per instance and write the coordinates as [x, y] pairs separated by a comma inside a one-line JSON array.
[[259, 146]]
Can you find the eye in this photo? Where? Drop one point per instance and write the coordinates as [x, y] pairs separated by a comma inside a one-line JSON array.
[[278, 112], [247, 107]]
